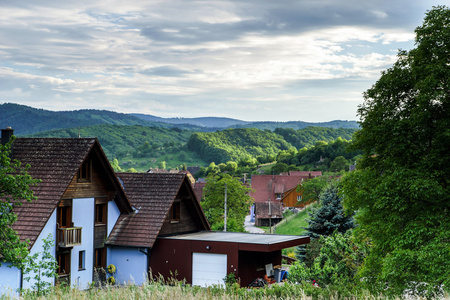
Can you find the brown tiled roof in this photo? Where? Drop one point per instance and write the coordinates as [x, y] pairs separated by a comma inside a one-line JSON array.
[[266, 186], [152, 194], [262, 210], [55, 161], [311, 174]]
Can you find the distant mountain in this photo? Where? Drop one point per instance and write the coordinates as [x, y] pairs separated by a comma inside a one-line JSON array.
[[211, 122], [223, 123], [28, 120]]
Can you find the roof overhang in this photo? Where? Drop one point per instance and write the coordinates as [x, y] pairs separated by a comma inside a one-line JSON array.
[[246, 241]]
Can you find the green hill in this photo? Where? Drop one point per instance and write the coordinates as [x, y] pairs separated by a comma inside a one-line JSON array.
[[28, 120], [137, 146]]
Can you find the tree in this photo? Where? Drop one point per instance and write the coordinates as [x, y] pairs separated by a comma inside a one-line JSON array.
[[238, 202], [401, 190], [329, 216], [339, 164], [311, 188], [15, 185], [41, 267]]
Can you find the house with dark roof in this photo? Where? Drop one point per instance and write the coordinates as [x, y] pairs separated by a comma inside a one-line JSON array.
[[138, 222], [78, 203]]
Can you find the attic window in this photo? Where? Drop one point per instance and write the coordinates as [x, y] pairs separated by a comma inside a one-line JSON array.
[[175, 212], [84, 173]]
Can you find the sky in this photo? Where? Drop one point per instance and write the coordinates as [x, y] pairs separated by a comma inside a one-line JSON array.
[[254, 60]]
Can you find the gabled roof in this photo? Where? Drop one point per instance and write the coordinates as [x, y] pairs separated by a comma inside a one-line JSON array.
[[152, 194], [266, 186], [55, 161]]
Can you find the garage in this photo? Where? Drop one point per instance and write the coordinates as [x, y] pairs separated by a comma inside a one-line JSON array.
[[208, 268]]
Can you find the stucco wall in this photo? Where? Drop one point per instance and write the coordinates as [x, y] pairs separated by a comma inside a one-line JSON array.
[[131, 264], [49, 228], [113, 215], [9, 280], [83, 216]]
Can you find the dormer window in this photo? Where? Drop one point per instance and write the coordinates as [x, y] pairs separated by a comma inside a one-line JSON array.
[[175, 212], [84, 173]]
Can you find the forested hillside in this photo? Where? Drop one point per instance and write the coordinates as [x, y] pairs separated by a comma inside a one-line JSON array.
[[29, 120], [295, 125], [137, 146], [236, 144]]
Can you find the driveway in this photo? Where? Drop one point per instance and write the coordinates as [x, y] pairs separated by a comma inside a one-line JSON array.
[[250, 227]]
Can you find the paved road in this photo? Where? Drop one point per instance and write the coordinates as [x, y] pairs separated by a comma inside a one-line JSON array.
[[250, 227]]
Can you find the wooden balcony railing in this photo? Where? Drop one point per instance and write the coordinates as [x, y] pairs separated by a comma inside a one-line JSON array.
[[69, 237]]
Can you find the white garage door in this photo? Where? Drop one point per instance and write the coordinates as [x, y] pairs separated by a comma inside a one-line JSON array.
[[208, 268]]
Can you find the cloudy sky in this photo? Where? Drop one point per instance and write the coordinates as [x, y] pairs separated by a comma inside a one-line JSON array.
[[255, 60]]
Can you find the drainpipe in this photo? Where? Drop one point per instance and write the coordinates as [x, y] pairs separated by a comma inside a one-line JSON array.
[[148, 253]]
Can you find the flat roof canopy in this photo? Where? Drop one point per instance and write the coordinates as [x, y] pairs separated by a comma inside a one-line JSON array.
[[246, 241]]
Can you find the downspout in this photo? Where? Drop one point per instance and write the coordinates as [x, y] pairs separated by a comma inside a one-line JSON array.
[[148, 253]]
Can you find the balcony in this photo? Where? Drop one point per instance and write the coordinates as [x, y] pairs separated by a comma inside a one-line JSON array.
[[69, 237]]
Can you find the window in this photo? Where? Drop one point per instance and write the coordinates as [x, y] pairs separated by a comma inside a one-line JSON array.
[[175, 212], [100, 258], [84, 173], [299, 198], [81, 260], [63, 263], [279, 196], [64, 213], [100, 213]]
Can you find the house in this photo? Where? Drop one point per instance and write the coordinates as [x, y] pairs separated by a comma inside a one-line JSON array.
[[165, 205], [138, 222], [270, 190], [171, 231], [78, 202]]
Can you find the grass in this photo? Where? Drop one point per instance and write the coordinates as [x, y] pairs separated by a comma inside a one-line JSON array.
[[292, 225]]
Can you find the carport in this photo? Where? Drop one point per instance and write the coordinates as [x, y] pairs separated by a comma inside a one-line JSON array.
[[205, 258]]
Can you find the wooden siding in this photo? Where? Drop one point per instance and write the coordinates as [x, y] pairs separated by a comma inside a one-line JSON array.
[[96, 187], [187, 221], [99, 235]]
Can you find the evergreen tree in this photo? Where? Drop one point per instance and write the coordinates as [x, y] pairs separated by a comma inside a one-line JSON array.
[[329, 216]]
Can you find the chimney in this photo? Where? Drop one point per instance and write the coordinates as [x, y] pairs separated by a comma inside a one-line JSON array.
[[6, 135]]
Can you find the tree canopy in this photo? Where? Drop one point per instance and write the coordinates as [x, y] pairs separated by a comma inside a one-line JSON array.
[[401, 190], [15, 185], [238, 202]]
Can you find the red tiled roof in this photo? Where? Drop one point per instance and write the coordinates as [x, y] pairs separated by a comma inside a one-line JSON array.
[[55, 161], [152, 194], [198, 190], [266, 186]]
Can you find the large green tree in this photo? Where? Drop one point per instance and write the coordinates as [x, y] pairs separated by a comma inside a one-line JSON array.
[[238, 202], [15, 185], [401, 191]]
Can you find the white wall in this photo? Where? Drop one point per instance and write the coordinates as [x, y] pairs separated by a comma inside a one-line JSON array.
[[113, 215], [131, 264], [9, 280], [83, 216], [49, 228]]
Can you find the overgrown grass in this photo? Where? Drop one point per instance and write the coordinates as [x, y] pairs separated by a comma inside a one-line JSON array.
[[178, 290]]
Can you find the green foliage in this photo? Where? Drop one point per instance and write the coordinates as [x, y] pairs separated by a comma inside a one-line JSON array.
[[338, 164], [238, 202], [401, 191], [329, 216], [311, 188], [236, 144], [15, 185], [41, 268], [336, 263], [307, 137]]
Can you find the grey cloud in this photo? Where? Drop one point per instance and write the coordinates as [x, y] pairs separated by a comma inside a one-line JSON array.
[[166, 71]]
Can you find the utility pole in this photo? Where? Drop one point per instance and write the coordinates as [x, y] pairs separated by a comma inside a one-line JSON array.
[[225, 210], [270, 217]]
